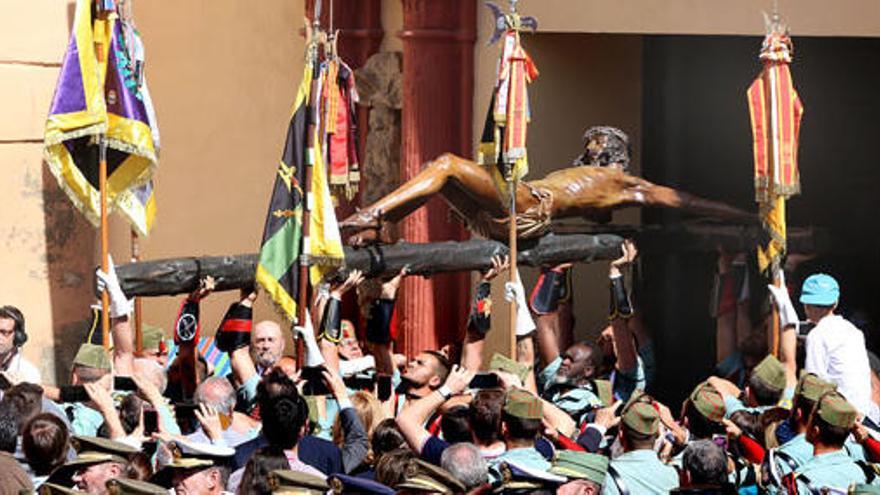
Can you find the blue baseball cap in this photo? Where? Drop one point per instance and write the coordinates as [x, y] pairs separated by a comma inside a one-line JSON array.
[[820, 289]]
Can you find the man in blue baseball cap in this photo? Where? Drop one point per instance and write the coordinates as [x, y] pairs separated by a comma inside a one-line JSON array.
[[835, 347]]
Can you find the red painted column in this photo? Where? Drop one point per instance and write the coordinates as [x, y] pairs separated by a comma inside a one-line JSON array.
[[438, 77]]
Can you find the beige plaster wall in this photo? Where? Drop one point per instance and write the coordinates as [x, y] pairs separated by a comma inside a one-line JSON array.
[[47, 248], [223, 75]]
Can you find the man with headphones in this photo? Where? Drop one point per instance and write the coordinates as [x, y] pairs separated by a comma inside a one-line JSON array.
[[12, 337]]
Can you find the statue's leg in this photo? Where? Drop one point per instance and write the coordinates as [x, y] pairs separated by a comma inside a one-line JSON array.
[[467, 186]]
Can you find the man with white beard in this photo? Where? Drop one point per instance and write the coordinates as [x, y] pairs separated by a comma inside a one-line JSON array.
[[574, 380]]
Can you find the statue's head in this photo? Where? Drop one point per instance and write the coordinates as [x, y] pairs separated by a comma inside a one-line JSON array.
[[605, 146]]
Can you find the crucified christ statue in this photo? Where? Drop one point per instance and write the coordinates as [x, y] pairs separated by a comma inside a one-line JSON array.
[[597, 184]]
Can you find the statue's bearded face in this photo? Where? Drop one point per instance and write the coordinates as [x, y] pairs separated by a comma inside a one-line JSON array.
[[595, 153], [605, 147]]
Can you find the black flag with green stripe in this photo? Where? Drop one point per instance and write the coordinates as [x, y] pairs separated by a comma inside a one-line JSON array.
[[277, 269]]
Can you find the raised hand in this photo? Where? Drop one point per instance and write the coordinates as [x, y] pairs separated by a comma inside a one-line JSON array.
[[354, 279], [459, 378], [606, 416], [389, 288], [206, 286], [120, 305], [629, 252], [209, 418], [335, 384], [101, 397], [499, 265]]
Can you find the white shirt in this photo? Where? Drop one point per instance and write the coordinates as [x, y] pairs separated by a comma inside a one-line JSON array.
[[24, 369], [836, 353]]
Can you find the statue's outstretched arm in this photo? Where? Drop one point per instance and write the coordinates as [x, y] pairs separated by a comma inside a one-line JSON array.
[[640, 192]]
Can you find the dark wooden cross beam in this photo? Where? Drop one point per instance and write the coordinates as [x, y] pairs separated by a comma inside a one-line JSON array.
[[181, 275]]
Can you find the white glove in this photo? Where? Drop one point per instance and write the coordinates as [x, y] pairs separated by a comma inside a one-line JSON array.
[[515, 293], [787, 314], [119, 304], [311, 351], [351, 367]]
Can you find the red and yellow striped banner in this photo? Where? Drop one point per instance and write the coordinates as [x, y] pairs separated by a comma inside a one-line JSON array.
[[775, 110]]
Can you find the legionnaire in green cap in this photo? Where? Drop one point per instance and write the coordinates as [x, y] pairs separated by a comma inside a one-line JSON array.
[[56, 489], [133, 487], [766, 387], [97, 461], [195, 468], [830, 424], [516, 479], [521, 418], [586, 472], [704, 411], [639, 470], [285, 481], [424, 477], [153, 345], [796, 451], [90, 365]]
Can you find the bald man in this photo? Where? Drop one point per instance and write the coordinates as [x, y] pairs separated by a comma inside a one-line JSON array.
[[267, 345]]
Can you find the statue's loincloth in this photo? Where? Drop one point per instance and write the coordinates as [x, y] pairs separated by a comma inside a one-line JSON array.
[[531, 223]]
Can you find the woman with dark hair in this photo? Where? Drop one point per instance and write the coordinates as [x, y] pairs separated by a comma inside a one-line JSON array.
[[45, 442], [386, 437], [255, 480]]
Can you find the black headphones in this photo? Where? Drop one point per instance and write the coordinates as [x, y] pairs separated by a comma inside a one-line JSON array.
[[15, 315]]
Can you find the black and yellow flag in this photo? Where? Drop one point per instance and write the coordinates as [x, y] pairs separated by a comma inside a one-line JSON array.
[[277, 268]]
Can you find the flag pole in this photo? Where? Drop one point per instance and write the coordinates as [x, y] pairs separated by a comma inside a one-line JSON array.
[[138, 331], [101, 54], [775, 156], [304, 261], [513, 275], [105, 238]]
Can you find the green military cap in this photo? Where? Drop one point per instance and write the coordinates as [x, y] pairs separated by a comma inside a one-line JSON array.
[[521, 404], [811, 387], [516, 478], [863, 489], [151, 336], [580, 465], [121, 486], [189, 455], [605, 392], [503, 363], [295, 482], [708, 402], [639, 414], [423, 476], [95, 450], [771, 371], [56, 489], [90, 451], [93, 356], [835, 410]]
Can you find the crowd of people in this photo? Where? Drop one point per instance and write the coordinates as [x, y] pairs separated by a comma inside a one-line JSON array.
[[562, 416]]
